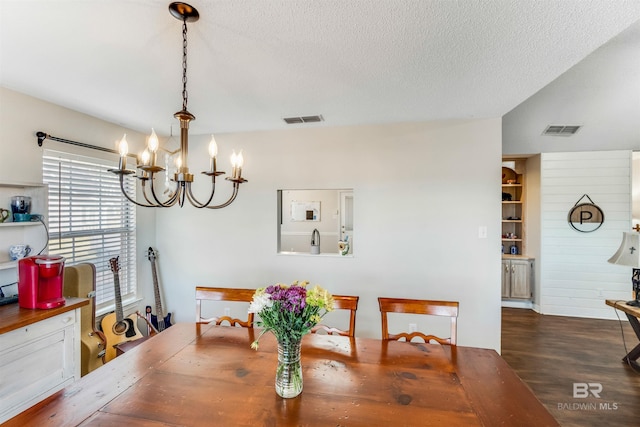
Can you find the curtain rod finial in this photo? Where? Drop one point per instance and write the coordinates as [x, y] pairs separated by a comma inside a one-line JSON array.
[[41, 137]]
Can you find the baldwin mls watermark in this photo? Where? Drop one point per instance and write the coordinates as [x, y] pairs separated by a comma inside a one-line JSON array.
[[588, 391]]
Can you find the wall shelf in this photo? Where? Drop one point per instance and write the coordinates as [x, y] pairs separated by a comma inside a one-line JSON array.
[[20, 224], [6, 265], [28, 232]]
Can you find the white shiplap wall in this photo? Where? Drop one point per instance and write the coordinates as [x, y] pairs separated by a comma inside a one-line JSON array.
[[575, 277]]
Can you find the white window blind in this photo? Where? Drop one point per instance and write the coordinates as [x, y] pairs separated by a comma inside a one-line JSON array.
[[90, 220]]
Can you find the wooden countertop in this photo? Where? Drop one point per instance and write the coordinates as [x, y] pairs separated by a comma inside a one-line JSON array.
[[12, 316], [523, 257], [203, 375], [623, 306]]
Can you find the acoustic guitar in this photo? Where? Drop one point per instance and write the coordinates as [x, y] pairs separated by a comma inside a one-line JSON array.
[[159, 320], [115, 326], [80, 281]]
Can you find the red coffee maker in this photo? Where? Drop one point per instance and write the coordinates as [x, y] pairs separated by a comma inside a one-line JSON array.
[[40, 281]]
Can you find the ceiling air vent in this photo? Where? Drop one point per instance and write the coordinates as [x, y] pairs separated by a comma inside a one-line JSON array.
[[303, 119], [561, 130]]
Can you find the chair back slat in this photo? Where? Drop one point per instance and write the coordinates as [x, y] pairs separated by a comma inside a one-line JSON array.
[[342, 302], [416, 306], [223, 294]]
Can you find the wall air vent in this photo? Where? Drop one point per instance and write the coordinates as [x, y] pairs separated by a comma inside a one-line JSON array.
[[303, 119], [561, 130]]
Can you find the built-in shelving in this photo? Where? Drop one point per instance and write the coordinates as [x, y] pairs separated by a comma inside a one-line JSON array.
[[30, 233], [512, 211], [517, 267]]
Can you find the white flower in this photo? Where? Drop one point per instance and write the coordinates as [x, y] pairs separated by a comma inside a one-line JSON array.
[[260, 302]]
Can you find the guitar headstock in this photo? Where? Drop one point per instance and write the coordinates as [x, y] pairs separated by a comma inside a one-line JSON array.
[[113, 263], [151, 255]]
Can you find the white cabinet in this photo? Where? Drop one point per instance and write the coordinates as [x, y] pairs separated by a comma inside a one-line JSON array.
[[39, 358], [517, 278]]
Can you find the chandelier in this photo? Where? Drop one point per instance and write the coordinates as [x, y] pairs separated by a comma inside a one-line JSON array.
[[182, 177]]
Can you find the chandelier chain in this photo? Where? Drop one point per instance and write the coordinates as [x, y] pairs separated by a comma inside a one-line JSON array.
[[184, 65]]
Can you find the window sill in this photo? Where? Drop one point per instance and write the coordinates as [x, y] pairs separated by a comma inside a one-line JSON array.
[[320, 255], [128, 306]]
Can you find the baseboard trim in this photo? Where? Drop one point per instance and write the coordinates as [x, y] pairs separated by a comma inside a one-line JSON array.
[[517, 304]]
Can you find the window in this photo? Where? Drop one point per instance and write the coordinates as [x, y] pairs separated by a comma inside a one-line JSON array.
[[90, 220]]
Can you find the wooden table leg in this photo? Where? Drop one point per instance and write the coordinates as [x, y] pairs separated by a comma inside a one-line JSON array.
[[633, 355]]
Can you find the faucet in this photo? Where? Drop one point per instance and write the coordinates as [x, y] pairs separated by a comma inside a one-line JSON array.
[[315, 241]]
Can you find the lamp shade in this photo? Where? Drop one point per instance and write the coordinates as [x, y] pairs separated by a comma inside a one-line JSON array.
[[629, 251]]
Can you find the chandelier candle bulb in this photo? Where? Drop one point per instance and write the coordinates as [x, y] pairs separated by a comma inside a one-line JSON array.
[[213, 152], [153, 145], [124, 150], [234, 165], [144, 157], [240, 160]]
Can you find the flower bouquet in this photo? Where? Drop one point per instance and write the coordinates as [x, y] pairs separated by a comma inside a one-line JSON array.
[[290, 312]]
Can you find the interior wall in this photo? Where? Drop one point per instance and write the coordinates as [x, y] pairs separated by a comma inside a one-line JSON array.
[[575, 275], [421, 193]]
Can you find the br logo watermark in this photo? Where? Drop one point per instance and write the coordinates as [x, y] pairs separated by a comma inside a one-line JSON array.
[[587, 391], [583, 390]]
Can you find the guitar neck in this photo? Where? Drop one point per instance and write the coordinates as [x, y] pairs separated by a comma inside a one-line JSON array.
[[156, 291], [118, 296], [116, 285]]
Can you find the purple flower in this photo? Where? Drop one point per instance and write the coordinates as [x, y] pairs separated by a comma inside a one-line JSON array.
[[291, 298]]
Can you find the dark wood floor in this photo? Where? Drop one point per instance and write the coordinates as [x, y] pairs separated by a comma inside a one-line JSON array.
[[551, 353]]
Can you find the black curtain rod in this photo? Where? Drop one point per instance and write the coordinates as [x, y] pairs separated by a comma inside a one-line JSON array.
[[42, 136]]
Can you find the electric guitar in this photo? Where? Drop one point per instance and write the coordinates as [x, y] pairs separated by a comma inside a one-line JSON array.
[[115, 326], [159, 320]]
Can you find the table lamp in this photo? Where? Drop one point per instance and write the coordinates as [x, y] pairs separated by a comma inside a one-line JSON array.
[[629, 254]]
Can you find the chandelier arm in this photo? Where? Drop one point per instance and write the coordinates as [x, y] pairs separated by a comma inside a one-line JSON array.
[[124, 192], [195, 202], [171, 200], [167, 203], [144, 193], [183, 193], [236, 186]]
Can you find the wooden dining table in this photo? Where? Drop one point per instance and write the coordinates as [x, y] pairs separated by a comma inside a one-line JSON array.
[[206, 375], [633, 315]]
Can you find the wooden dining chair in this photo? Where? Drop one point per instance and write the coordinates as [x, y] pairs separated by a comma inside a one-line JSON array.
[[342, 302], [417, 306], [223, 294]]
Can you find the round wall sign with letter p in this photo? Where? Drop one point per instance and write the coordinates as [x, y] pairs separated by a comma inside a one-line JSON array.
[[586, 217]]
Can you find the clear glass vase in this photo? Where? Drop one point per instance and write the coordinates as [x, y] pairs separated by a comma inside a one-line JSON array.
[[289, 371]]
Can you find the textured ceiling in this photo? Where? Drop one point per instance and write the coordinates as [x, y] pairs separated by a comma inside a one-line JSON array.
[[253, 62]]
